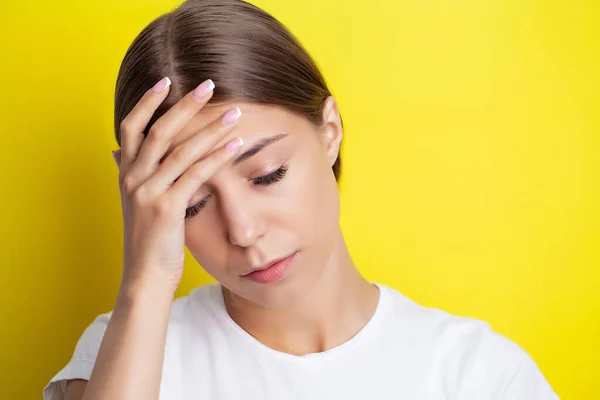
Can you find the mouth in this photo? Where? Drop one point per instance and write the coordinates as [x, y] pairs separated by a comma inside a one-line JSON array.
[[271, 272]]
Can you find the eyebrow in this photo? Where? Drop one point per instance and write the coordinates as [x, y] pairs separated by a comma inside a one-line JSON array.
[[258, 146]]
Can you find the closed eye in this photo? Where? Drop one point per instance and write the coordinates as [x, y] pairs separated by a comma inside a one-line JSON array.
[[195, 209], [264, 180], [271, 178]]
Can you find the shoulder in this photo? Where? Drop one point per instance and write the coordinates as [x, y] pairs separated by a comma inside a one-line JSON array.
[[430, 326], [507, 371], [185, 311], [466, 353]]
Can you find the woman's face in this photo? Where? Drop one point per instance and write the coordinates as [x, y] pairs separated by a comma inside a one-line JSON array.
[[278, 199]]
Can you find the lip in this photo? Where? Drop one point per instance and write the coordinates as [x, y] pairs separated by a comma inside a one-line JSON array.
[[271, 272]]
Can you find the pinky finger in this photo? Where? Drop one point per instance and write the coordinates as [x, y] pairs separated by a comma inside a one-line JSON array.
[[196, 175]]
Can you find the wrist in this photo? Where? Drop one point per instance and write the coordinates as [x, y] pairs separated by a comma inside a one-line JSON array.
[[146, 289]]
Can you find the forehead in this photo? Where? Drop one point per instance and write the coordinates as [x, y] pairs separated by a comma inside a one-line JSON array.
[[256, 122]]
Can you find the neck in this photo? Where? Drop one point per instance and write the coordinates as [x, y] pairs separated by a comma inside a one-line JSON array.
[[337, 308]]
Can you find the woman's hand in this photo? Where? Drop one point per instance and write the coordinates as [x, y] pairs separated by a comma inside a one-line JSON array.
[[155, 194]]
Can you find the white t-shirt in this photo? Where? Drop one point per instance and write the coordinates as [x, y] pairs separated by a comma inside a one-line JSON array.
[[405, 351]]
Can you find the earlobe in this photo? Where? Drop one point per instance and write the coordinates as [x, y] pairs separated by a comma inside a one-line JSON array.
[[333, 131]]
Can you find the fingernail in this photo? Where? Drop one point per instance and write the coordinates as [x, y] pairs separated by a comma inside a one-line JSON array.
[[231, 116], [203, 89], [162, 85], [234, 144]]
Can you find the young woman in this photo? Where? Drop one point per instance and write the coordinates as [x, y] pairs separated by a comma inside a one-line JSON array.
[[230, 143]]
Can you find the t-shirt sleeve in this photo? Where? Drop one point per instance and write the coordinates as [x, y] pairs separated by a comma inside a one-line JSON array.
[[507, 372], [82, 362]]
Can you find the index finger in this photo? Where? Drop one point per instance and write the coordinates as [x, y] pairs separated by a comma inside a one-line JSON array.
[[133, 125], [166, 128]]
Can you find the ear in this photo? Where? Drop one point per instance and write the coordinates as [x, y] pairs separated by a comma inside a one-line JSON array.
[[117, 156], [332, 129]]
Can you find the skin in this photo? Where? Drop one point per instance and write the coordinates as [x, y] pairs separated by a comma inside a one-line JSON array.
[[244, 226], [321, 302]]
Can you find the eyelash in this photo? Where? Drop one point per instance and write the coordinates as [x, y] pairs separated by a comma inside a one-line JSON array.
[[265, 180]]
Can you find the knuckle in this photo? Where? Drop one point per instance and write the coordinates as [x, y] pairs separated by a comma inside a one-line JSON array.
[[180, 154], [218, 157], [125, 126], [218, 130], [141, 196], [163, 206], [156, 133], [202, 170], [128, 185], [199, 172]]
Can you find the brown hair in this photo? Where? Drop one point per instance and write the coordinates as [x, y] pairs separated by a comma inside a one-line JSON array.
[[247, 53]]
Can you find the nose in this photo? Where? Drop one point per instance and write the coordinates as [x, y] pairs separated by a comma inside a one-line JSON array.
[[242, 222]]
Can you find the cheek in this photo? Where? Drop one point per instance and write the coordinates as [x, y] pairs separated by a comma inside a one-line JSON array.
[[312, 199]]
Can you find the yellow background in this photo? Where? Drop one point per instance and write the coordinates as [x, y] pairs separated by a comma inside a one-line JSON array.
[[470, 181]]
